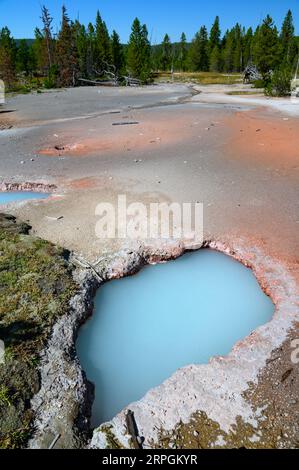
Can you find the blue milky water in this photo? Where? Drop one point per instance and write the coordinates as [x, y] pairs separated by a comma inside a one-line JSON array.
[[7, 197], [167, 316]]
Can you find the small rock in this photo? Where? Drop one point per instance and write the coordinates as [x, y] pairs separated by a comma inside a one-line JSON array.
[[293, 402]]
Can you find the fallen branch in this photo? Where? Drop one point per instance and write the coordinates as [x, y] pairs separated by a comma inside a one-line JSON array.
[[132, 123], [86, 265]]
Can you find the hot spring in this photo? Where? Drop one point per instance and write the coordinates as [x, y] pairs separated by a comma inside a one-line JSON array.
[[14, 196], [168, 316]]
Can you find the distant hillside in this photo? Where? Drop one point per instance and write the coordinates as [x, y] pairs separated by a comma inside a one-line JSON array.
[[154, 46]]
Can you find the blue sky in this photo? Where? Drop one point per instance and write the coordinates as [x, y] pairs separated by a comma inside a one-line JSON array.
[[171, 16]]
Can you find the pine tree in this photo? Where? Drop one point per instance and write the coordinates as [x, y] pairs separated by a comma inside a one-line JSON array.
[[156, 57], [7, 71], [199, 51], [67, 57], [139, 52], [215, 60], [167, 54], [182, 53], [9, 44], [287, 38], [102, 44], [228, 51], [82, 47], [91, 50], [266, 47], [146, 55], [215, 34], [7, 58], [248, 41], [238, 49], [22, 62], [40, 52], [117, 53], [134, 58], [214, 46]]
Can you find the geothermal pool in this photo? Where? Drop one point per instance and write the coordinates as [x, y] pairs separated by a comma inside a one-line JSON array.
[[147, 326], [7, 197]]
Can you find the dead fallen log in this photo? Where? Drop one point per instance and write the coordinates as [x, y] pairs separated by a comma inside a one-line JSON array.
[[132, 81], [131, 123], [98, 82], [94, 82]]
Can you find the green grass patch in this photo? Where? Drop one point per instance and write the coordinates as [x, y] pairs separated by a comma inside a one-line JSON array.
[[201, 78], [244, 93], [36, 286]]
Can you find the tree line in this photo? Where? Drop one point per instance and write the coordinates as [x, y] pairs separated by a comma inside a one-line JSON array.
[[85, 52], [266, 46]]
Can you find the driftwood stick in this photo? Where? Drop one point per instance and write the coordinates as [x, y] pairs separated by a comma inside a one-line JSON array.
[[133, 430], [54, 442]]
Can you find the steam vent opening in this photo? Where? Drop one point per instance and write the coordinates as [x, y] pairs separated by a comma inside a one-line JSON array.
[[168, 316]]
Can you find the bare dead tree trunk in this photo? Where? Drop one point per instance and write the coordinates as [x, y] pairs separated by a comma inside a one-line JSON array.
[[47, 22]]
